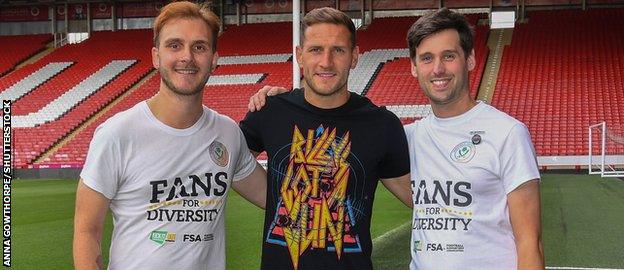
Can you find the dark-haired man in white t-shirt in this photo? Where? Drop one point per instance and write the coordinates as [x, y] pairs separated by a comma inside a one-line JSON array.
[[474, 173]]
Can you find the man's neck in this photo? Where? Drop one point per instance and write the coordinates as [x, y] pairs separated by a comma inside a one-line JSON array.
[[327, 102], [174, 110], [455, 108]]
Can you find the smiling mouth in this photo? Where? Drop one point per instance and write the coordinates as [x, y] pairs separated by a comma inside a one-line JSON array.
[[441, 83], [186, 71], [325, 75]]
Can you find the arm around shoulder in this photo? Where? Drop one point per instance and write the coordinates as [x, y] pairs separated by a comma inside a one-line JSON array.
[[91, 208], [396, 161], [401, 188]]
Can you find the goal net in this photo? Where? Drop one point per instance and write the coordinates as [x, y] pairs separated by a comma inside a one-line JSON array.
[[606, 150]]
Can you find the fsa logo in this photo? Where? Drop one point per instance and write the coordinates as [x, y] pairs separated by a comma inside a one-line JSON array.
[[434, 247], [191, 238], [197, 238]]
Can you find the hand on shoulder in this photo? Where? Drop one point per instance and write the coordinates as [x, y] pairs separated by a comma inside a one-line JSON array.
[[258, 100]]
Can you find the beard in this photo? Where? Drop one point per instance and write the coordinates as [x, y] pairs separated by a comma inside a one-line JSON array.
[[164, 75], [309, 84], [453, 94]]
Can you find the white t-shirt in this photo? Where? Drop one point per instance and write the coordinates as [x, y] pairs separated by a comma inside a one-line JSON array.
[[462, 169], [167, 187]]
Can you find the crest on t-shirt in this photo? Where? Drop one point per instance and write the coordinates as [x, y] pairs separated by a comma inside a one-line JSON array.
[[463, 152], [219, 153]]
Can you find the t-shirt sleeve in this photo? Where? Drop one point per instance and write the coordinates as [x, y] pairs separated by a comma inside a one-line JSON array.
[[102, 168], [518, 161], [396, 159], [250, 126], [245, 163]]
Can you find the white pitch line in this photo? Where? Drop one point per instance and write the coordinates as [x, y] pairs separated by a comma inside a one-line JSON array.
[[390, 232], [579, 268]]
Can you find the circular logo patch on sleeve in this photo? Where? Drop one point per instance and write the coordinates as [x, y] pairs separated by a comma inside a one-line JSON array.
[[219, 153]]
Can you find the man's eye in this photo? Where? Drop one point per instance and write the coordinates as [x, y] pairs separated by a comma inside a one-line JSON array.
[[449, 57], [200, 48], [174, 45], [426, 59]]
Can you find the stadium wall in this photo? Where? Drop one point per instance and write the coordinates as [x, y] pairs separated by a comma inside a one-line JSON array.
[[48, 173], [36, 19]]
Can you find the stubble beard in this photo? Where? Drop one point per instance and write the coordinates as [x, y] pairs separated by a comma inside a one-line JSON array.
[[183, 92]]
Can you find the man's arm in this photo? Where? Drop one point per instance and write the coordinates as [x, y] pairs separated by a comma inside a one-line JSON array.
[[524, 212], [258, 100], [401, 188], [253, 187], [91, 208]]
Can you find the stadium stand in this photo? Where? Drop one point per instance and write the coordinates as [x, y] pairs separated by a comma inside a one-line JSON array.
[[33, 80], [243, 69], [394, 85], [16, 49], [75, 152], [563, 71], [269, 57], [77, 92], [251, 39], [548, 83], [226, 92]]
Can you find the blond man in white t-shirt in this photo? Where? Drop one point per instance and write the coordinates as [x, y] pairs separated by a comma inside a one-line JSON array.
[[164, 166]]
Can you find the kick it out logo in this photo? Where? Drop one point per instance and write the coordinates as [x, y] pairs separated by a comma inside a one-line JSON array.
[[313, 212], [417, 246], [160, 237]]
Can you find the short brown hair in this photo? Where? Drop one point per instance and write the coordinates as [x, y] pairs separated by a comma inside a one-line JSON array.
[[437, 21], [187, 10], [328, 15]]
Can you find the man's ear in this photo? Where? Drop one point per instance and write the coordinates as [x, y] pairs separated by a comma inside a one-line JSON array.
[[471, 61], [355, 54], [215, 61], [299, 52], [413, 69], [155, 58]]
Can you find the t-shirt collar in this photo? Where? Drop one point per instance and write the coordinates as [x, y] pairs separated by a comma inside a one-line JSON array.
[[460, 119]]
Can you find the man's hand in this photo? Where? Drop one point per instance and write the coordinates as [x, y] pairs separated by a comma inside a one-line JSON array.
[[258, 100], [401, 187]]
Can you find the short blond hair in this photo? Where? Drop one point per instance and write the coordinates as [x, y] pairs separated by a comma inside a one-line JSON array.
[[187, 10]]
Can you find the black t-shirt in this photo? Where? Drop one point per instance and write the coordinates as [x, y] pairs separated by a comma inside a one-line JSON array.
[[323, 168]]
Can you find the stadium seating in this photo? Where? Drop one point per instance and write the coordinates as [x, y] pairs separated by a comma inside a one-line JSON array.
[[563, 71], [76, 151], [255, 39], [102, 68], [243, 69], [228, 95], [394, 84], [16, 49]]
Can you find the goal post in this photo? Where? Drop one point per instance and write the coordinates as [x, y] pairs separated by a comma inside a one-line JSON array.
[[606, 151]]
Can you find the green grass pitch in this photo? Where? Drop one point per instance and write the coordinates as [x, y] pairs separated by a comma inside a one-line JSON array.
[[582, 219]]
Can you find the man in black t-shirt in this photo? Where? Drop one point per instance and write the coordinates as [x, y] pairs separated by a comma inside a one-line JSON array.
[[326, 148]]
